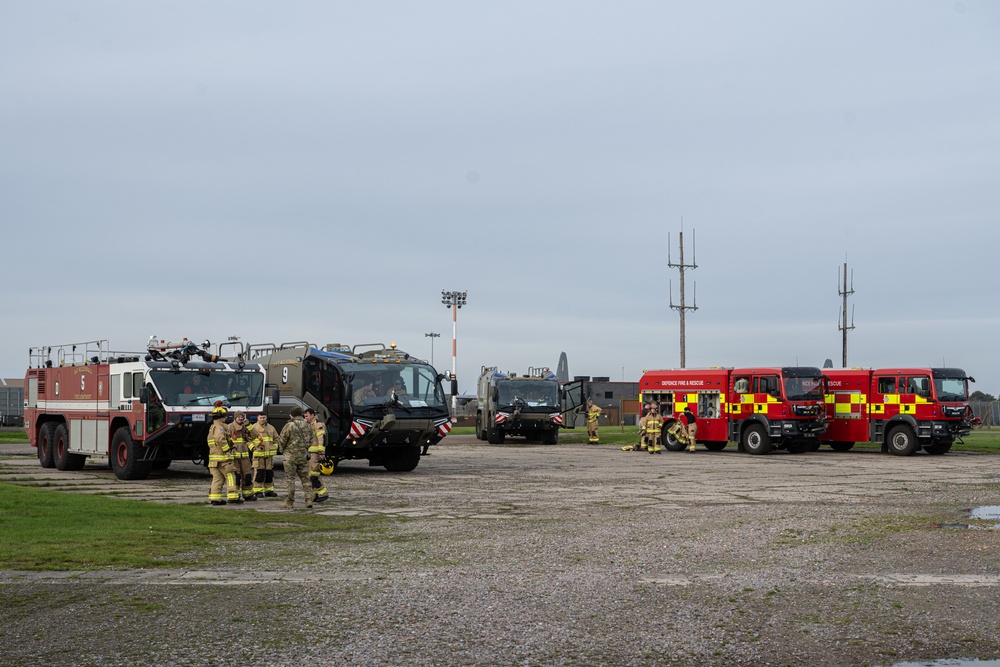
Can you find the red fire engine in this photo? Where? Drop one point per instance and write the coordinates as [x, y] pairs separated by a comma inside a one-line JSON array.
[[901, 408], [759, 408], [141, 412]]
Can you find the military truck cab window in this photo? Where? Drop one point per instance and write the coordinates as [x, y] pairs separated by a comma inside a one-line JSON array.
[[323, 380], [414, 385], [530, 394]]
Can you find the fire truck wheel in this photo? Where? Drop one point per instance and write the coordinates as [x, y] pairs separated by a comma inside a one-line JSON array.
[[61, 456], [901, 441], [938, 448], [404, 461], [715, 446], [756, 440], [841, 446], [124, 458], [669, 440], [480, 431], [550, 437], [46, 435], [494, 435]]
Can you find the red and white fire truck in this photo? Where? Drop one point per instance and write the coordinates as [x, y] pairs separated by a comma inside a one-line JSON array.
[[759, 408], [903, 409], [141, 410]]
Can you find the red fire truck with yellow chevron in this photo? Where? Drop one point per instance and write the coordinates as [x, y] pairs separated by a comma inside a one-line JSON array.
[[903, 409], [759, 408]]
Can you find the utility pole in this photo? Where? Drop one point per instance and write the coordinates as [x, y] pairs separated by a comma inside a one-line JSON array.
[[845, 292], [682, 307]]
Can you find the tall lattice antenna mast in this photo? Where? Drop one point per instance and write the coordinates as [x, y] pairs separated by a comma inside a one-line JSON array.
[[845, 292], [681, 266]]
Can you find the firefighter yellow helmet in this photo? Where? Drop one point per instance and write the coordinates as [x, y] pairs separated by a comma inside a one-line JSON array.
[[220, 412]]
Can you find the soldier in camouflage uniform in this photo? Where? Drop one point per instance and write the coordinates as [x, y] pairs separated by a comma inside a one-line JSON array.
[[263, 449], [220, 460], [240, 437], [295, 439], [317, 452], [363, 394]]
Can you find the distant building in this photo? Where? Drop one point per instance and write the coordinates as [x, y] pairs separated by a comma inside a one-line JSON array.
[[12, 402], [618, 400]]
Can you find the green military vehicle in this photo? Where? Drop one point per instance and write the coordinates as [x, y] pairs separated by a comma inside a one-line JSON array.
[[378, 402], [534, 406]]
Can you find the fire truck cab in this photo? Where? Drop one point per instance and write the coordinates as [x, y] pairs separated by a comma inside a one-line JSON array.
[[141, 410], [761, 408], [903, 409]]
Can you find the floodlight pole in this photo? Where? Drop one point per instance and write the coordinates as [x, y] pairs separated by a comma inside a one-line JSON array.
[[456, 300], [432, 336]]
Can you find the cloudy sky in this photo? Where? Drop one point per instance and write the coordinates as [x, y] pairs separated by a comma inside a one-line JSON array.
[[322, 170]]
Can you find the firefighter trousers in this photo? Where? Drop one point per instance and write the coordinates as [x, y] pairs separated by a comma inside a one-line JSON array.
[[315, 476]]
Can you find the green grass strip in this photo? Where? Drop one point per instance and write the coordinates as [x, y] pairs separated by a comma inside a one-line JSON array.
[[41, 529]]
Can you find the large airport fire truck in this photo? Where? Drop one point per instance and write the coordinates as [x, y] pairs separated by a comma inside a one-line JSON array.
[[534, 406], [903, 409], [141, 410], [759, 408], [378, 402]]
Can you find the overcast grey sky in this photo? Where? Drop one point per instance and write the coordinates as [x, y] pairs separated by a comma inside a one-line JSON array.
[[322, 170]]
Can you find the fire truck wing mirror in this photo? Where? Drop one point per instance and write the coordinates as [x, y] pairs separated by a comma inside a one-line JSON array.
[[972, 379], [441, 376], [275, 396], [144, 395]]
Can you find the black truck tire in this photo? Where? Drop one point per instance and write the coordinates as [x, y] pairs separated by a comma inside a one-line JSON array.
[[46, 435], [124, 457], [756, 440], [61, 455], [901, 440]]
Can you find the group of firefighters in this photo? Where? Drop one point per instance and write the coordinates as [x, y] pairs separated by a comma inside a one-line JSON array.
[[241, 454], [241, 457], [683, 430]]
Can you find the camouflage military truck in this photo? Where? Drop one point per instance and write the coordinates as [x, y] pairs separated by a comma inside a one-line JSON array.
[[378, 402], [533, 406]]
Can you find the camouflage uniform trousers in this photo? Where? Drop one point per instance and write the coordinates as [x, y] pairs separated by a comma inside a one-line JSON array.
[[297, 467]]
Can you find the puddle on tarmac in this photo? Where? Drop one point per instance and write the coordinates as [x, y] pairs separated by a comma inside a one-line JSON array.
[[987, 513], [951, 662]]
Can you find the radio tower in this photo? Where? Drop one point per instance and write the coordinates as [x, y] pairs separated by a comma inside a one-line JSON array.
[[845, 292], [680, 267]]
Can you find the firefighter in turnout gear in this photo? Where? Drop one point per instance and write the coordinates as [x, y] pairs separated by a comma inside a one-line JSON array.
[[220, 460], [262, 438], [652, 426], [317, 453], [690, 427], [239, 436], [593, 414], [294, 442]]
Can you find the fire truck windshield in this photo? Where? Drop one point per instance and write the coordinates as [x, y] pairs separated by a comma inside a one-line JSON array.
[[804, 389], [415, 385], [951, 389], [200, 388], [532, 394]]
